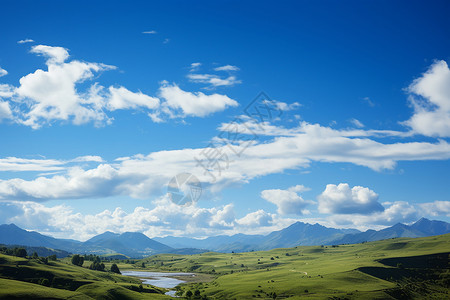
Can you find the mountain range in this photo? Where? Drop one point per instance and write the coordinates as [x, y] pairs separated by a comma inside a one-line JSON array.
[[137, 245]]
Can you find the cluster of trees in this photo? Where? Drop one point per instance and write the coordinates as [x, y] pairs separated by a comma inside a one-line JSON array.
[[19, 252], [78, 260], [96, 264], [194, 295], [22, 252]]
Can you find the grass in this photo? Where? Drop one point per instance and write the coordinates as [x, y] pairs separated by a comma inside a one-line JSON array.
[[404, 268], [307, 272], [30, 278]]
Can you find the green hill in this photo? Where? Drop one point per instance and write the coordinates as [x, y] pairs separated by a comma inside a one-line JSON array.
[[403, 268], [22, 278]]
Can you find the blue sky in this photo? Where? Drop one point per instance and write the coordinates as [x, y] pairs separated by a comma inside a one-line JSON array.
[[102, 103]]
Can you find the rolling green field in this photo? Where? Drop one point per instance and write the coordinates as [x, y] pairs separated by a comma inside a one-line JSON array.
[[341, 272], [402, 268], [22, 278]]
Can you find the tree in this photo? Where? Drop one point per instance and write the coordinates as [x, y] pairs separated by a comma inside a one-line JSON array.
[[197, 293], [52, 257], [35, 255], [20, 252], [115, 269], [77, 260], [189, 294]]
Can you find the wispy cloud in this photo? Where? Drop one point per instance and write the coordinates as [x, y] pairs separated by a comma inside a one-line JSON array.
[[3, 72], [150, 32], [213, 80], [25, 41], [227, 68]]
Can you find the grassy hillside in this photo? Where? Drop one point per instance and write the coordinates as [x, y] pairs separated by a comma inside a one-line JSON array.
[[31, 278], [370, 270], [404, 268]]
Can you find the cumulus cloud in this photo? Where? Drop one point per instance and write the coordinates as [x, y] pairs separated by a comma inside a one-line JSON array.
[[430, 97], [341, 199], [54, 55], [436, 208], [259, 218], [165, 218], [54, 95], [392, 213], [3, 72], [121, 98], [194, 104], [287, 201]]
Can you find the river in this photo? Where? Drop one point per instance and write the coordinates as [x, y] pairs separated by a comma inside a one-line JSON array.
[[159, 279]]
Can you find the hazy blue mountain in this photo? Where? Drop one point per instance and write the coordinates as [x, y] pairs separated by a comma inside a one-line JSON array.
[[221, 243], [136, 244], [13, 235], [301, 234], [421, 228], [296, 234], [129, 243], [431, 227]]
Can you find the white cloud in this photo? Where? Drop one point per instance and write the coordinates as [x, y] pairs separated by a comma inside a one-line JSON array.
[[163, 219], [299, 188], [227, 68], [5, 111], [258, 218], [142, 176], [194, 104], [430, 97], [341, 199], [393, 213], [55, 55], [54, 95], [213, 80], [150, 32], [25, 41], [3, 72], [195, 66], [357, 123], [282, 106], [287, 201], [121, 98], [42, 165], [436, 208]]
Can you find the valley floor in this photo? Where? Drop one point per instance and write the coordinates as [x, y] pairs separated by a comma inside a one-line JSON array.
[[403, 268]]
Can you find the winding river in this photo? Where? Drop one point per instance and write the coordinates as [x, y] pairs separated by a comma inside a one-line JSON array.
[[159, 279]]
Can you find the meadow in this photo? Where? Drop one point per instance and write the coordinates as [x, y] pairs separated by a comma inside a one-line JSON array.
[[402, 268]]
